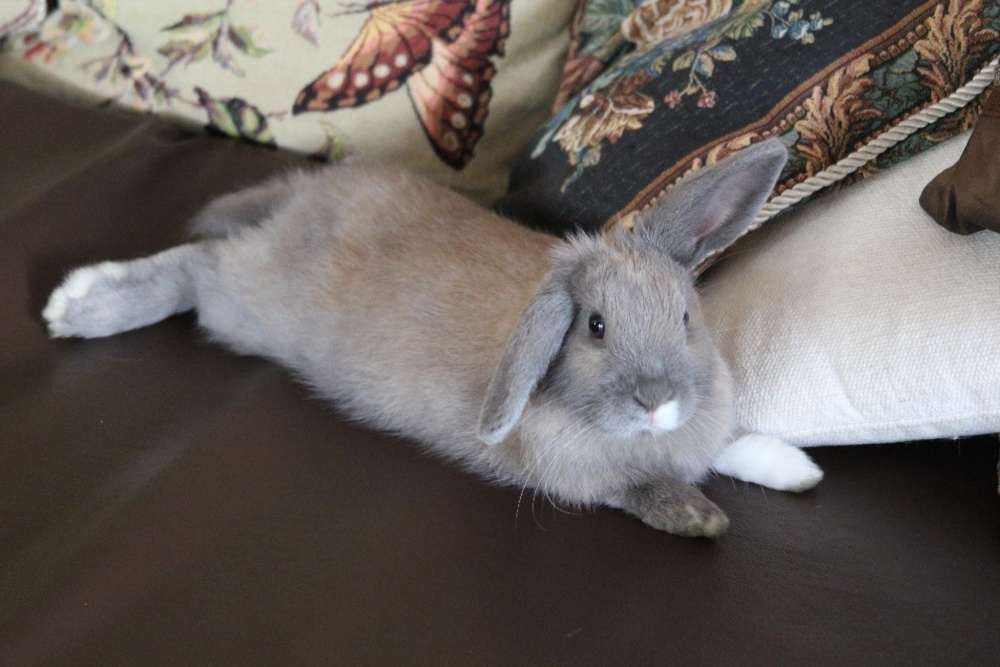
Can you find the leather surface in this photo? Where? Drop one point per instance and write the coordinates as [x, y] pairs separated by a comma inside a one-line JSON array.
[[166, 502]]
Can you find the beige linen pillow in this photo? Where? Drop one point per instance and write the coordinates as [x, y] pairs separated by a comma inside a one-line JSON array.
[[856, 319], [448, 88]]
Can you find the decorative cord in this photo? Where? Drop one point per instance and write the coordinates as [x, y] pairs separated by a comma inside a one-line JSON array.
[[880, 144]]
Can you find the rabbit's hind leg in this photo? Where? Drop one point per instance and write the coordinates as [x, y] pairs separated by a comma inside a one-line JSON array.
[[111, 297]]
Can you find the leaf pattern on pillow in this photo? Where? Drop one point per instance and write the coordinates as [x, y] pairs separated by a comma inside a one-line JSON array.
[[30, 14], [682, 41], [957, 34], [836, 116], [305, 21], [234, 117], [655, 21], [460, 120], [213, 35], [605, 115], [826, 77], [442, 50]]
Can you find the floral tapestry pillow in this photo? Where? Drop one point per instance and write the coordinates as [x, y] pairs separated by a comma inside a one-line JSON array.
[[654, 89], [450, 88]]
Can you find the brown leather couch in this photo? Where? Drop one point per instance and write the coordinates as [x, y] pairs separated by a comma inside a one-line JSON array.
[[167, 502]]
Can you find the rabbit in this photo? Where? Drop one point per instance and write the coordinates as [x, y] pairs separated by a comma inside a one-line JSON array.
[[578, 366]]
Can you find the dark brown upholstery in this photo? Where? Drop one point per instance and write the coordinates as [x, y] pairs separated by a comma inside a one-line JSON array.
[[166, 502]]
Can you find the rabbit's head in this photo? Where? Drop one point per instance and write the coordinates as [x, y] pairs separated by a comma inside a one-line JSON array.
[[615, 333]]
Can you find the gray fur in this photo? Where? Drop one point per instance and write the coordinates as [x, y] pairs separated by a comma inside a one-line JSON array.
[[229, 213], [713, 207], [420, 313], [122, 296], [676, 508], [532, 347]]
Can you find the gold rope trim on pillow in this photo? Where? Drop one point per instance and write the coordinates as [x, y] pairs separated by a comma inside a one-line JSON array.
[[962, 97]]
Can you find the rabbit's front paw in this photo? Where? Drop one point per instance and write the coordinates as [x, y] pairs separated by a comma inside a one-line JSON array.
[[769, 461], [676, 508]]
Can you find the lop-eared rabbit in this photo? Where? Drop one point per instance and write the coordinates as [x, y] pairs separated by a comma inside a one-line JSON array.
[[580, 367]]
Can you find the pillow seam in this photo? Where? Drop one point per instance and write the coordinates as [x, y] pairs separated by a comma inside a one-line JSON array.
[[813, 433]]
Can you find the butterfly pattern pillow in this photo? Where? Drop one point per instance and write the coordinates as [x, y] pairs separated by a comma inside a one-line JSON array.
[[654, 89], [451, 88]]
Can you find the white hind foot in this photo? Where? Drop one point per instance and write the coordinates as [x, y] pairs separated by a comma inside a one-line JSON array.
[[769, 461], [111, 297], [69, 310]]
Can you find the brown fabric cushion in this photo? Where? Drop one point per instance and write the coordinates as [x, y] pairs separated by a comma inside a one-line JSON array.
[[965, 198]]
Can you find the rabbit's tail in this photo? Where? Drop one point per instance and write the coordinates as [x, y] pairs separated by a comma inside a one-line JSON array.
[[112, 297], [244, 208]]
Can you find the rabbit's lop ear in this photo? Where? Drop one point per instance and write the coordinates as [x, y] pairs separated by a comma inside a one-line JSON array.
[[712, 207], [532, 347]]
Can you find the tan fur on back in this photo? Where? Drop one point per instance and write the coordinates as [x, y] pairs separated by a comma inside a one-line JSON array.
[[430, 298]]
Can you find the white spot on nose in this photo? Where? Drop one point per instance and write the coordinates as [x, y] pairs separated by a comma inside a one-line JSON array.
[[667, 417]]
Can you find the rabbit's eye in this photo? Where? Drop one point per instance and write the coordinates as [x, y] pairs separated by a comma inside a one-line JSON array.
[[596, 325], [686, 318]]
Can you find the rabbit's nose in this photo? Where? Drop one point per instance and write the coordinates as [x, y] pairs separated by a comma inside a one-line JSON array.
[[653, 392], [657, 396]]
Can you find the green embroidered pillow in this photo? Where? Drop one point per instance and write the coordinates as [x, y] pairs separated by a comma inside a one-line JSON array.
[[449, 88], [655, 89]]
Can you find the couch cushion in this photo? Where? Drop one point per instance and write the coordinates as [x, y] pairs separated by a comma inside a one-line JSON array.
[[856, 319], [689, 82], [166, 502], [316, 76]]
